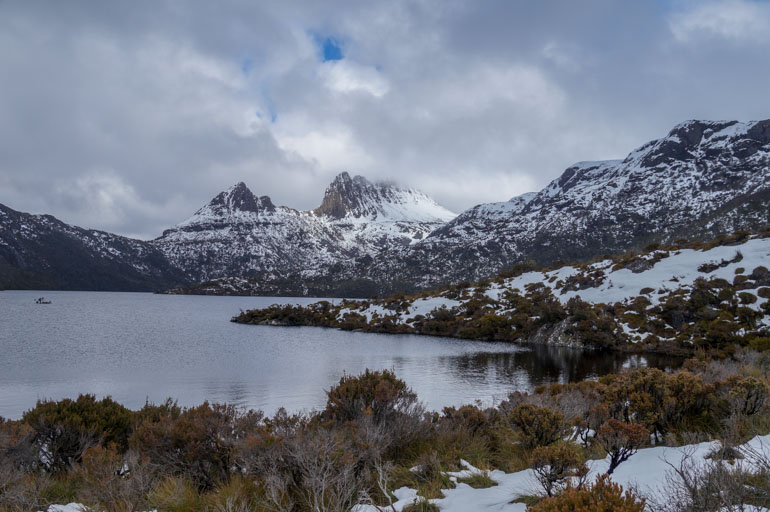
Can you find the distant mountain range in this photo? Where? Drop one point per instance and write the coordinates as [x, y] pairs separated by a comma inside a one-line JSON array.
[[702, 179]]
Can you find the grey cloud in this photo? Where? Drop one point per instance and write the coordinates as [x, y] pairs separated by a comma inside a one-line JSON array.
[[128, 116]]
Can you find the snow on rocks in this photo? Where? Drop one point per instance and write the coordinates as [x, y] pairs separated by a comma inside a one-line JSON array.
[[676, 270], [238, 233]]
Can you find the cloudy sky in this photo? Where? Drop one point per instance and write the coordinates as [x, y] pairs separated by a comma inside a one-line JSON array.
[[128, 116]]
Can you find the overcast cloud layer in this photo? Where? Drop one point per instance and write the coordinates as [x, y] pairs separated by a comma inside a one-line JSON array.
[[128, 116]]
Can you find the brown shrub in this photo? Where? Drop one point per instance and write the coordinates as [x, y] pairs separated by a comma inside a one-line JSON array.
[[555, 464], [603, 496], [539, 426], [376, 393], [197, 444], [620, 440]]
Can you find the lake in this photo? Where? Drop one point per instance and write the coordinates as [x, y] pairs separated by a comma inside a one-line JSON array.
[[139, 346]]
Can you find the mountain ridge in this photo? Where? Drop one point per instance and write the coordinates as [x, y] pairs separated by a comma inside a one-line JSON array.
[[701, 179]]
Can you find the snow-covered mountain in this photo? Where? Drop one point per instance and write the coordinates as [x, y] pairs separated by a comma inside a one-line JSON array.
[[240, 234], [702, 179]]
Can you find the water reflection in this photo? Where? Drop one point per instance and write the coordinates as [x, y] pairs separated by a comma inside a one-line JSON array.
[[535, 365]]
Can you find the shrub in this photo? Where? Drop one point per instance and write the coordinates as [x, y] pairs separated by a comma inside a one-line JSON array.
[[478, 480], [747, 394], [376, 393], [469, 416], [113, 481], [660, 401], [539, 426], [553, 465], [176, 495], [421, 506], [64, 430], [603, 496], [620, 440], [196, 445]]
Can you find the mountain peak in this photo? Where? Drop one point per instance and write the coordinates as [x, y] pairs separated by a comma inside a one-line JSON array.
[[356, 198], [237, 204], [344, 196], [701, 137], [237, 198]]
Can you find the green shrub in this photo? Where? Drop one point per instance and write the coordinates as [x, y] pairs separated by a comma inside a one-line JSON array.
[[65, 429], [747, 394], [421, 506], [176, 495], [478, 480]]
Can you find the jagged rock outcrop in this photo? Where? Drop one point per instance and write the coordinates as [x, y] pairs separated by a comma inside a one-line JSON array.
[[239, 234]]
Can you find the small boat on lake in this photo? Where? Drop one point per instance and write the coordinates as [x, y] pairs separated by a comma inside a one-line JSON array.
[[42, 300]]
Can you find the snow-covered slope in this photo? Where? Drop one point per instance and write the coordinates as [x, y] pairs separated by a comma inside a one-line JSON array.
[[669, 295], [701, 179], [239, 234]]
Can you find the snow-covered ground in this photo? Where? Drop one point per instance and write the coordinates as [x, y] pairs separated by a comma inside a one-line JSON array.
[[647, 471], [668, 271], [678, 269]]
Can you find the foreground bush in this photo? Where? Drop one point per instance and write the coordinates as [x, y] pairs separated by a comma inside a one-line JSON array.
[[64, 430], [373, 437], [539, 426], [376, 393], [556, 464], [603, 496], [197, 444]]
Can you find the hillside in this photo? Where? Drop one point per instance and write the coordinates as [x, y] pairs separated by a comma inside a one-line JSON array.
[[702, 179], [713, 295], [41, 252]]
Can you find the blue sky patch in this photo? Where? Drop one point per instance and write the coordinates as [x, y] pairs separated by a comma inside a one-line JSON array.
[[247, 65], [331, 49]]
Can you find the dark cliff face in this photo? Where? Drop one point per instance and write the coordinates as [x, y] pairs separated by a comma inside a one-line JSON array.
[[340, 198], [41, 252], [238, 198], [354, 197]]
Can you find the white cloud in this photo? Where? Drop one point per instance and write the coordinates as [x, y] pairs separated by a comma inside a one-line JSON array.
[[333, 148], [346, 77], [734, 20]]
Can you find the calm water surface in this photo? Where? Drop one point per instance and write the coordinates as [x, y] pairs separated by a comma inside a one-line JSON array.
[[138, 346]]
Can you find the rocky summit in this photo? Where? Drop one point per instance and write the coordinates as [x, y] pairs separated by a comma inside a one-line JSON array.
[[703, 178], [239, 234]]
